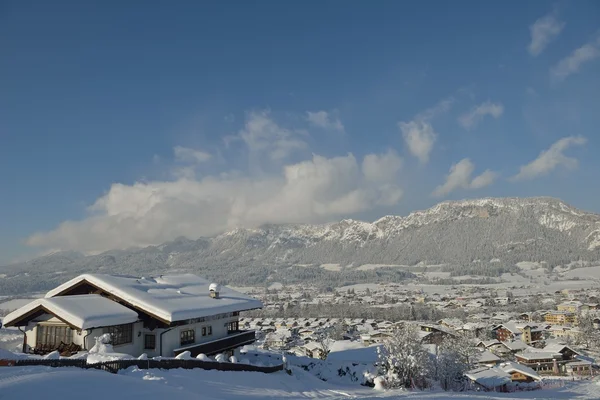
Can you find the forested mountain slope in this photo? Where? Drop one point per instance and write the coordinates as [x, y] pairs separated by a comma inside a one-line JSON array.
[[496, 233]]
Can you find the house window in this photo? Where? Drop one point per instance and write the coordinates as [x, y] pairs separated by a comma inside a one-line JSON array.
[[52, 335], [232, 326], [203, 331], [209, 330], [187, 336], [120, 334], [150, 341]]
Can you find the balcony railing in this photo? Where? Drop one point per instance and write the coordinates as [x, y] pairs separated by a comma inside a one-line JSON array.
[[231, 341]]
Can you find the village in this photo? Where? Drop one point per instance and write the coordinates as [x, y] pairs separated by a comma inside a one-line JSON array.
[[519, 338]]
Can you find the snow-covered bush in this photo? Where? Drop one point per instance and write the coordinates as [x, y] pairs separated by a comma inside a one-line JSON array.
[[185, 355], [379, 383], [55, 355], [233, 359], [404, 361], [103, 345], [143, 356], [203, 357], [222, 357]]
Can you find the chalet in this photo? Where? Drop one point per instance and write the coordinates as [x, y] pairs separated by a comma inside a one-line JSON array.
[[579, 367], [487, 358], [489, 379], [548, 362], [520, 373], [566, 352], [314, 350], [511, 330], [161, 316], [497, 378], [433, 334], [509, 347], [506, 331]]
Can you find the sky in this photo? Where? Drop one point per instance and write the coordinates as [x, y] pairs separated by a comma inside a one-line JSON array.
[[133, 123]]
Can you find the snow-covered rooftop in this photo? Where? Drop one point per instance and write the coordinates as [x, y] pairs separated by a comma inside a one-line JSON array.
[[169, 297], [489, 377], [510, 367], [487, 357], [83, 312]]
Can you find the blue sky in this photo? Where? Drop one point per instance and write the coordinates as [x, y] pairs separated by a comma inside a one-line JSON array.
[[125, 125]]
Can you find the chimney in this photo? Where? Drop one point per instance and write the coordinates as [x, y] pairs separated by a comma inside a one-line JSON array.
[[214, 290]]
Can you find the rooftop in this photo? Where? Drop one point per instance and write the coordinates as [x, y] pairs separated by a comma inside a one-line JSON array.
[[82, 312], [169, 297]]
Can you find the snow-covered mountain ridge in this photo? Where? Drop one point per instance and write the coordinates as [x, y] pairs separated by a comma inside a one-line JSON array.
[[499, 232], [550, 212]]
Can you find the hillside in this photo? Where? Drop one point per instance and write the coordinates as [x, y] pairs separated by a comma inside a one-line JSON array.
[[484, 236]]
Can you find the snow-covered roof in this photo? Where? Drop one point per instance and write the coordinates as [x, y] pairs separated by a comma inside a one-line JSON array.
[[510, 367], [83, 312], [557, 347], [168, 297], [516, 345], [539, 355], [489, 377], [487, 357]]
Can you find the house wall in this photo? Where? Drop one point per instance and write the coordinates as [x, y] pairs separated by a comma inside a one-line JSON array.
[[171, 338], [503, 334], [519, 377], [31, 330], [135, 348]]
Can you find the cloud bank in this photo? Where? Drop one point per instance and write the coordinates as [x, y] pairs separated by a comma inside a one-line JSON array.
[[317, 189]]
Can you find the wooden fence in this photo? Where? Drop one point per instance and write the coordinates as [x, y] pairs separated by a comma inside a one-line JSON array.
[[115, 366]]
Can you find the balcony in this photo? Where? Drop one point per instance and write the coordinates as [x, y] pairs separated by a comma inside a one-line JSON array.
[[231, 341]]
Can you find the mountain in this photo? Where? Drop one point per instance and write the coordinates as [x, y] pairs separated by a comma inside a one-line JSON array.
[[483, 237]]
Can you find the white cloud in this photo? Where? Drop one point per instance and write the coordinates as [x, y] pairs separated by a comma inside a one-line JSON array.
[[460, 178], [543, 31], [381, 167], [325, 120], [315, 190], [571, 64], [262, 135], [419, 134], [485, 179], [419, 137], [192, 156], [550, 159], [473, 117]]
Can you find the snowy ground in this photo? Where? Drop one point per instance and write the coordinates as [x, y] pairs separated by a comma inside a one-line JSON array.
[[60, 383]]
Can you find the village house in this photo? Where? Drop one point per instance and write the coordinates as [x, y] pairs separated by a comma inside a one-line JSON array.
[[570, 306], [541, 361], [518, 330], [497, 378], [433, 334], [487, 358], [161, 316], [560, 317]]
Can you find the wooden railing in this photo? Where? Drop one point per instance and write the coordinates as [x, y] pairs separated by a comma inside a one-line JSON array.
[[115, 366]]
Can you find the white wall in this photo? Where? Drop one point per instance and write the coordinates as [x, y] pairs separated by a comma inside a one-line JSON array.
[[135, 348], [46, 319], [171, 339]]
